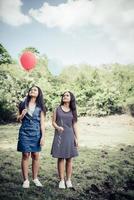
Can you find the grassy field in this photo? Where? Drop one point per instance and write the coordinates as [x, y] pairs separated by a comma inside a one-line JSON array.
[[105, 173]]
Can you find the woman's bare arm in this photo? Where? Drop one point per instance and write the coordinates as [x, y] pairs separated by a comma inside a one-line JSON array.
[[75, 127], [59, 128], [42, 128], [20, 116]]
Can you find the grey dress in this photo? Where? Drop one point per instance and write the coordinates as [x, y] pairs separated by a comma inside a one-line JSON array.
[[64, 144]]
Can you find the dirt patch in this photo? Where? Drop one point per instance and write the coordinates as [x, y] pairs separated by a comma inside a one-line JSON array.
[[94, 132], [106, 131], [6, 145]]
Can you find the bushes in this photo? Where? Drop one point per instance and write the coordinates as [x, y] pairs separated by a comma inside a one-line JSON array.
[[104, 102], [7, 112], [129, 106], [14, 83], [98, 92], [106, 90]]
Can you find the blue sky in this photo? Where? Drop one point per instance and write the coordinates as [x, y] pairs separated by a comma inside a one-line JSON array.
[[70, 32]]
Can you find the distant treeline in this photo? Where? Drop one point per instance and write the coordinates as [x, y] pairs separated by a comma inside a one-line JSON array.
[[100, 91]]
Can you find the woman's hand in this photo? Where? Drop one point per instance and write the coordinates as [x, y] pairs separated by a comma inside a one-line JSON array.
[[42, 141], [21, 116], [23, 113], [60, 129]]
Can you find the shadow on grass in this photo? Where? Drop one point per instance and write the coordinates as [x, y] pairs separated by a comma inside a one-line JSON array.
[[98, 175]]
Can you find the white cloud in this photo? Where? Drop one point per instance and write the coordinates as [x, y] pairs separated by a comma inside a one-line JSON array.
[[65, 15], [113, 18], [101, 28], [82, 13], [10, 13]]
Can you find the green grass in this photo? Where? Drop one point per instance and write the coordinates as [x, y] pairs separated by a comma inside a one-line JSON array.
[[99, 174]]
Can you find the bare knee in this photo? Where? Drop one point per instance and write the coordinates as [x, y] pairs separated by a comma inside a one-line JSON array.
[[35, 156], [60, 160], [69, 160], [25, 156]]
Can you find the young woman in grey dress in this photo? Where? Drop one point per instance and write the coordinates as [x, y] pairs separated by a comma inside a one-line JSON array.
[[65, 141], [31, 133]]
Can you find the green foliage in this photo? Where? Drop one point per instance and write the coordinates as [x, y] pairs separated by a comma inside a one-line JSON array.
[[102, 91], [104, 102], [5, 58], [99, 91], [129, 105], [32, 49], [14, 84]]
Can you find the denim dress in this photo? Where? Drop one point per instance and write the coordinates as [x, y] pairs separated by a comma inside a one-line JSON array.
[[30, 133]]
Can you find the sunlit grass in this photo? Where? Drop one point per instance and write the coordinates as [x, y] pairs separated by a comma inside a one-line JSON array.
[[98, 173]]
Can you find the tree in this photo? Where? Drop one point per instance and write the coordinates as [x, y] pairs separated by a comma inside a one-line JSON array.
[[5, 58], [32, 49]]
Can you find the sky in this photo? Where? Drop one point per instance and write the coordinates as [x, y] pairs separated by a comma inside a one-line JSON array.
[[70, 31]]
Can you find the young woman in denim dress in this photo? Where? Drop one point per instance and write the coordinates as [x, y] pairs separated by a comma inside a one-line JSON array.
[[31, 133], [65, 141]]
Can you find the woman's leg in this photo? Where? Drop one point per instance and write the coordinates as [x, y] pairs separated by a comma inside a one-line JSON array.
[[60, 166], [69, 168], [35, 164], [24, 165]]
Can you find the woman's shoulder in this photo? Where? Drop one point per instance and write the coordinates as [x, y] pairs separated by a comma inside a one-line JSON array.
[[38, 109], [56, 109]]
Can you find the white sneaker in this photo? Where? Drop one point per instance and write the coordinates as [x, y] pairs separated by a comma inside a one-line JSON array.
[[69, 184], [37, 182], [62, 184], [26, 184]]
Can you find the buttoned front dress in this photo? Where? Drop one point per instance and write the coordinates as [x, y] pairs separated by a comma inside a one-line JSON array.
[[63, 145], [30, 132]]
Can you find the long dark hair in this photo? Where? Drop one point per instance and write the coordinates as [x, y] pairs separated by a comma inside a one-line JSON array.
[[72, 104], [39, 100]]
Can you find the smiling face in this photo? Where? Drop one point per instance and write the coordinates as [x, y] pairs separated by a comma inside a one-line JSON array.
[[34, 92], [66, 97]]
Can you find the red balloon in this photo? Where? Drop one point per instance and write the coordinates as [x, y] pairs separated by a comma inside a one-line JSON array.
[[28, 60]]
